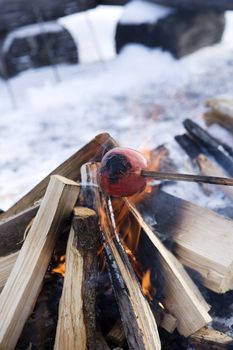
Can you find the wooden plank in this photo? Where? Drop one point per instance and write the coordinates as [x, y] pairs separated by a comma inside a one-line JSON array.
[[138, 321], [76, 327], [181, 296], [94, 150], [19, 295], [203, 239]]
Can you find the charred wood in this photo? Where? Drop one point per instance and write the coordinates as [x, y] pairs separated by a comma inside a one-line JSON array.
[[212, 145], [138, 321]]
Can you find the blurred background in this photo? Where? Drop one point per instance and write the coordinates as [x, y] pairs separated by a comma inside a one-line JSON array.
[[71, 69]]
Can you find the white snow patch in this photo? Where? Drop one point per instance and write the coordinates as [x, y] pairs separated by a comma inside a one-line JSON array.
[[138, 11]]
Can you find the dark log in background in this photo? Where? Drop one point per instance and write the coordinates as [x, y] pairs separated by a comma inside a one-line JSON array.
[[180, 32]]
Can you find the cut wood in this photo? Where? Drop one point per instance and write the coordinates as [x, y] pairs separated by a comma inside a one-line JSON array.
[[117, 335], [94, 150], [76, 327], [138, 321], [12, 230], [169, 323], [217, 149], [23, 286], [208, 167], [220, 112], [181, 296], [203, 239], [211, 339], [6, 265]]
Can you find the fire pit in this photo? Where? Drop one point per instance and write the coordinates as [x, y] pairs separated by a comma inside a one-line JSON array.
[[150, 271]]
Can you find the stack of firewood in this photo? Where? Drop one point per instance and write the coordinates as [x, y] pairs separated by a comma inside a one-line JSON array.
[[71, 198]]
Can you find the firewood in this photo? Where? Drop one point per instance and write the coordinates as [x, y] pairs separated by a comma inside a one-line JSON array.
[[117, 335], [220, 112], [169, 323], [6, 265], [76, 327], [181, 296], [217, 149], [203, 239], [138, 321], [208, 167], [12, 230], [211, 339], [70, 168], [19, 295], [101, 343]]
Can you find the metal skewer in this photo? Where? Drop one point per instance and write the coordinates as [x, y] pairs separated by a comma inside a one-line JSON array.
[[187, 177]]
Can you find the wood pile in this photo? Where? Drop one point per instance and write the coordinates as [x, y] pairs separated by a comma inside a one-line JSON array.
[[151, 313]]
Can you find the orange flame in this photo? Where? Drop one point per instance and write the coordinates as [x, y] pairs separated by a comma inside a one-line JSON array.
[[147, 288], [60, 269]]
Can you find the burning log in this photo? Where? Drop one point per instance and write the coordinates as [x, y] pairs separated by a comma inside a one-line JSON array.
[[138, 321], [76, 325], [94, 150], [211, 339], [180, 293], [22, 288], [220, 112], [192, 228], [217, 149]]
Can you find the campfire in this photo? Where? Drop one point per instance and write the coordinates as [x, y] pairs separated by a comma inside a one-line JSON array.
[[138, 272]]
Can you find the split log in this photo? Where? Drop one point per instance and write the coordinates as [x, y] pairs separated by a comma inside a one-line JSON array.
[[205, 165], [203, 239], [138, 321], [220, 112], [76, 327], [117, 335], [12, 230], [209, 168], [6, 265], [211, 339], [216, 148], [181, 297], [94, 150], [169, 323], [192, 148], [23, 286]]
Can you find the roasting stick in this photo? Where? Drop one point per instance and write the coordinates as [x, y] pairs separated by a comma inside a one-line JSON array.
[[188, 177]]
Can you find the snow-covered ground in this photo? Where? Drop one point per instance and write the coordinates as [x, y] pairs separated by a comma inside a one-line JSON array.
[[140, 97]]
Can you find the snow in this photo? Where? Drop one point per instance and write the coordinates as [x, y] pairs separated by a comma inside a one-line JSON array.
[[139, 11], [140, 97]]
